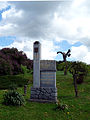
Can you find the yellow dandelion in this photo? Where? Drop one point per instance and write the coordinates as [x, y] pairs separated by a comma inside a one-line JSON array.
[[68, 113]]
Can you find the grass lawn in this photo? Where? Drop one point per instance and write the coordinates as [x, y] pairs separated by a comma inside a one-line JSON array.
[[78, 108]]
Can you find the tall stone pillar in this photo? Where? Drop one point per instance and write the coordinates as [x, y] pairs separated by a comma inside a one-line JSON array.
[[44, 77], [36, 64]]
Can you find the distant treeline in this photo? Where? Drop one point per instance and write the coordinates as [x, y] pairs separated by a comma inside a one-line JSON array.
[[11, 60], [61, 65]]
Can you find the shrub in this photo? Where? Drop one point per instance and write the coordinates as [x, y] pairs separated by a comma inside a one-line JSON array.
[[61, 66], [14, 98], [80, 69]]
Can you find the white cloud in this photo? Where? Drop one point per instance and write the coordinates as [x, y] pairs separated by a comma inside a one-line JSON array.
[[87, 58], [74, 24], [25, 45], [3, 5], [48, 22], [12, 13], [48, 50], [31, 19], [80, 53]]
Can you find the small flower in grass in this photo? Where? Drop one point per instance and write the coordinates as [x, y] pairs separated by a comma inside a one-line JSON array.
[[61, 106], [68, 113]]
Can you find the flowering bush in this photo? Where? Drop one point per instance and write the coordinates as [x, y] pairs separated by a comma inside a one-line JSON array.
[[5, 67], [11, 60]]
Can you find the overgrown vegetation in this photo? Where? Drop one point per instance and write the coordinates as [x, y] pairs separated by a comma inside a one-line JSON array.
[[11, 60]]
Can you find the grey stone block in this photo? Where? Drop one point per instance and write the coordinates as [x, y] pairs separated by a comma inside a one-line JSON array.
[[44, 93]]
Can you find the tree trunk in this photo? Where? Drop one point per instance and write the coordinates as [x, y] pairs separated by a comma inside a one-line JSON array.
[[65, 71], [75, 85]]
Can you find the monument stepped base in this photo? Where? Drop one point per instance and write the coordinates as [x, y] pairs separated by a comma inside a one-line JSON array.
[[43, 94], [43, 101]]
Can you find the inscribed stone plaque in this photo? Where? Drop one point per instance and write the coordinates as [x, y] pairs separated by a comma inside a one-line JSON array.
[[47, 73], [48, 65], [47, 79]]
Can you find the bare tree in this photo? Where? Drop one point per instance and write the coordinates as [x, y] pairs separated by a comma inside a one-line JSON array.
[[65, 55]]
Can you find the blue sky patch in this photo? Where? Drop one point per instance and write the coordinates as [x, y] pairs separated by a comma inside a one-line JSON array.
[[5, 41], [64, 45]]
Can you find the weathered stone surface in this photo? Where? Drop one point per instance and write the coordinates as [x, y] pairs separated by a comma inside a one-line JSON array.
[[47, 79], [48, 65], [36, 64], [47, 73], [44, 93]]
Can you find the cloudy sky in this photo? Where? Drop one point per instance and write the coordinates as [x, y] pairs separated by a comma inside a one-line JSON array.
[[58, 25]]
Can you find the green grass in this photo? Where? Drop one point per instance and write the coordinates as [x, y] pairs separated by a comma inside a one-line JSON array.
[[20, 80], [78, 108]]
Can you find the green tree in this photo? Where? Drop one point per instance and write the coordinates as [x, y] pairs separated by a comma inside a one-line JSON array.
[[78, 71]]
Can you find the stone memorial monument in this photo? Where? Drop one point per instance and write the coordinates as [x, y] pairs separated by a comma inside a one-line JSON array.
[[44, 77]]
